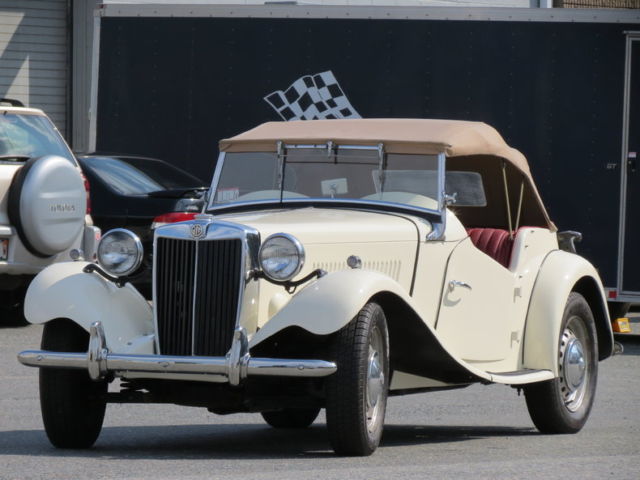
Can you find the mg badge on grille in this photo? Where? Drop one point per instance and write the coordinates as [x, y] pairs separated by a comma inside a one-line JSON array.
[[197, 231]]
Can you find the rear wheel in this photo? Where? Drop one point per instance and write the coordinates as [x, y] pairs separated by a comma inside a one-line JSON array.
[[291, 417], [562, 405], [72, 404], [357, 392]]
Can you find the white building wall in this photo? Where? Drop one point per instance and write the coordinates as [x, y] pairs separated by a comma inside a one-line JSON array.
[[426, 3], [82, 65], [34, 55]]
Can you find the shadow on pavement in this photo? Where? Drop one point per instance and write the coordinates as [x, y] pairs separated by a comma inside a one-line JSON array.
[[248, 441], [631, 343], [398, 435]]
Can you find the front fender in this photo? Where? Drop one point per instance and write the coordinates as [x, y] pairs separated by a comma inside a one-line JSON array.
[[560, 274], [329, 303], [63, 290]]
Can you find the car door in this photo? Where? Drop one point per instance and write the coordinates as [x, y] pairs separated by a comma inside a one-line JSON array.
[[477, 306]]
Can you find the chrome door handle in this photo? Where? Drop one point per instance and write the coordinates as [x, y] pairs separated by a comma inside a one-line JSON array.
[[457, 283]]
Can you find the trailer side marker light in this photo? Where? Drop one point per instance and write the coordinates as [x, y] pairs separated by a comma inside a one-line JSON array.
[[621, 325]]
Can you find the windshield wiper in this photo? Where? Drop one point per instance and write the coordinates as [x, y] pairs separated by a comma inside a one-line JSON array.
[[17, 158]]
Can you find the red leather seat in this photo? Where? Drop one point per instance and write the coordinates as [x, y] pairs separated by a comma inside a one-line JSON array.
[[494, 242]]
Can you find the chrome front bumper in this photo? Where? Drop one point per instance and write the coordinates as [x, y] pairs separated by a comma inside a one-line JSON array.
[[234, 368]]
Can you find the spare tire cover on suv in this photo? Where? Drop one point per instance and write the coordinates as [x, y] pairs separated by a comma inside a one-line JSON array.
[[47, 204]]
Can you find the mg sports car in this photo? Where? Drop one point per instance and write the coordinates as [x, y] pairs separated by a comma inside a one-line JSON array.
[[336, 263]]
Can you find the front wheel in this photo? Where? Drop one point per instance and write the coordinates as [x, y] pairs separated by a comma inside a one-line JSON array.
[[562, 405], [357, 392], [72, 404]]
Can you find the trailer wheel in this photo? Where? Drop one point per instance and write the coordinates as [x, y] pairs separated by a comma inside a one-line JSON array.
[[291, 417], [562, 405], [618, 309], [72, 404], [357, 392]]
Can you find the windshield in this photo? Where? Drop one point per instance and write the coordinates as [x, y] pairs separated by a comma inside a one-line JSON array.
[[30, 136], [317, 174]]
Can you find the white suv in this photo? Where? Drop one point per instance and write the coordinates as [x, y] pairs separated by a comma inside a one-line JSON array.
[[43, 203]]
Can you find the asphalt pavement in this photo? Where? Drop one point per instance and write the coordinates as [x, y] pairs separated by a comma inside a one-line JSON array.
[[478, 432]]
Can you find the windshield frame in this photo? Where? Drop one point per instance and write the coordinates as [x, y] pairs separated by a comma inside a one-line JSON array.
[[328, 202]]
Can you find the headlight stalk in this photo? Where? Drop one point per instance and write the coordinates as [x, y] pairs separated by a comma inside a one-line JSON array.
[[289, 286]]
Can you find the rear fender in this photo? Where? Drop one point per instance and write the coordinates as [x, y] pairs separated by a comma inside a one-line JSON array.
[[63, 290], [560, 274]]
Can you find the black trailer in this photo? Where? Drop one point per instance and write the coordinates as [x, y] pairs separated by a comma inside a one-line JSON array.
[[562, 86]]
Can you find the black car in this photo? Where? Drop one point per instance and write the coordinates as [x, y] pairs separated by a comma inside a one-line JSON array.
[[140, 193]]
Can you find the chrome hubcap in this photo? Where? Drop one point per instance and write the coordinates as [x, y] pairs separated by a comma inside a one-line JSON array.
[[375, 379], [573, 364]]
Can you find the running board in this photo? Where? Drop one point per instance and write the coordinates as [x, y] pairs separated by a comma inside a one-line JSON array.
[[521, 377]]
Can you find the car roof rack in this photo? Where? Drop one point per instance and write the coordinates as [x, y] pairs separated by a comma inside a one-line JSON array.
[[12, 102]]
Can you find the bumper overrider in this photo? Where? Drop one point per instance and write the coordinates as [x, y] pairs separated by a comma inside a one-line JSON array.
[[233, 368]]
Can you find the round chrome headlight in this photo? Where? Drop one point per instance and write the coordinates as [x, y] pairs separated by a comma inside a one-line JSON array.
[[281, 257], [120, 252]]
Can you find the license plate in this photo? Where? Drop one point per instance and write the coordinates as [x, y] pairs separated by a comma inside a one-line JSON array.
[[4, 248]]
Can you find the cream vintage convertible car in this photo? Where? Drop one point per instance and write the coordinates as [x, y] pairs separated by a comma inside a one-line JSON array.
[[337, 262]]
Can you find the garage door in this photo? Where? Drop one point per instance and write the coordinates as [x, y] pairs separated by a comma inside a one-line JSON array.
[[33, 55]]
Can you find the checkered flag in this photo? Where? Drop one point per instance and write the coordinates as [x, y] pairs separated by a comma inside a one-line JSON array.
[[312, 97]]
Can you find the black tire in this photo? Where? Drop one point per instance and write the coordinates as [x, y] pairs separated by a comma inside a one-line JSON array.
[[14, 315], [562, 405], [618, 309], [291, 417], [357, 392], [12, 308], [72, 404]]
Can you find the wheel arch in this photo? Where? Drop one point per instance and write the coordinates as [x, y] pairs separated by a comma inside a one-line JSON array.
[[588, 287], [323, 308], [414, 347], [560, 274], [73, 332], [63, 290], [328, 304]]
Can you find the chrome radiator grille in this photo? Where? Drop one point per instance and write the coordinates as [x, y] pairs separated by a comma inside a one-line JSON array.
[[197, 289]]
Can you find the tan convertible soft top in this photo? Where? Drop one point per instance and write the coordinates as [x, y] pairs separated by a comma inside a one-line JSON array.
[[399, 135], [454, 138]]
